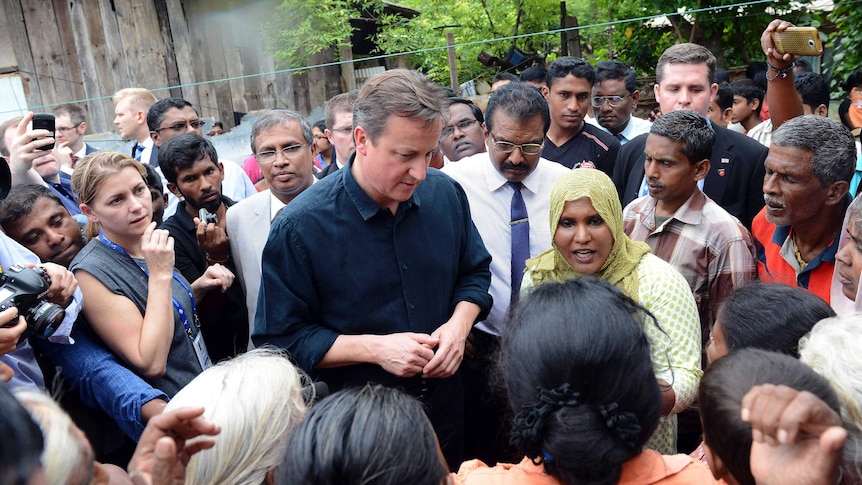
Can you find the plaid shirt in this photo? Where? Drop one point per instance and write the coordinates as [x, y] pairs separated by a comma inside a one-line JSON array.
[[710, 247]]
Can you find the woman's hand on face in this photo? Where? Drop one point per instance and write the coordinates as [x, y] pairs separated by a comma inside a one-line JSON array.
[[158, 248]]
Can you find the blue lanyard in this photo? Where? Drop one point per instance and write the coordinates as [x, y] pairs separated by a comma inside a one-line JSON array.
[[177, 306]]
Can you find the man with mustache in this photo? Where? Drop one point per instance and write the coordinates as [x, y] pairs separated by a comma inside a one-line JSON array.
[[464, 135], [684, 227], [571, 141], [808, 172], [190, 164], [615, 96], [283, 145], [517, 120]]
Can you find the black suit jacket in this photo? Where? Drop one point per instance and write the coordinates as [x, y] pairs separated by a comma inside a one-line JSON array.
[[330, 169], [154, 155], [734, 181]]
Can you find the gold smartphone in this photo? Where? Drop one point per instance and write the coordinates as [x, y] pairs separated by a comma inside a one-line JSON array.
[[800, 41]]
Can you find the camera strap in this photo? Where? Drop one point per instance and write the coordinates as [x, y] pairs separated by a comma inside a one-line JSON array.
[[197, 341]]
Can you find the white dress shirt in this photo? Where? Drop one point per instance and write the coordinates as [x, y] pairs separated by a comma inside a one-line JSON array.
[[490, 204]]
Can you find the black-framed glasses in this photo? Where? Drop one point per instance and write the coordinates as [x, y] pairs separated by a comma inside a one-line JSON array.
[[526, 148], [66, 130], [461, 125], [613, 101], [195, 124], [289, 152]]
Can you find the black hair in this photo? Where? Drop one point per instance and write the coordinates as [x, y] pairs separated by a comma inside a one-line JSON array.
[[749, 90], [152, 178], [320, 125], [219, 124], [535, 74], [20, 201], [182, 151], [724, 96], [803, 66], [504, 76], [617, 70], [156, 113], [721, 76], [853, 80], [563, 66], [722, 388], [688, 128], [519, 101], [770, 316], [579, 378], [21, 441], [477, 111], [370, 435], [813, 88], [754, 68]]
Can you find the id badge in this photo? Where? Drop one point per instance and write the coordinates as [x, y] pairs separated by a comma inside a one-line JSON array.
[[201, 351]]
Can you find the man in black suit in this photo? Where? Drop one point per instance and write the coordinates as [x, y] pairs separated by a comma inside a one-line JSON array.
[[70, 128], [684, 81]]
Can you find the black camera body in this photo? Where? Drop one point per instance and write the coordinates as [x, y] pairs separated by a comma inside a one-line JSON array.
[[207, 217], [25, 288]]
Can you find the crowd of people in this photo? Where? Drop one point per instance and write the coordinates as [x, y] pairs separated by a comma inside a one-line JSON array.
[[548, 290]]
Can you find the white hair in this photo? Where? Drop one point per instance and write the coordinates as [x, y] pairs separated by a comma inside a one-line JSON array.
[[256, 399], [833, 349], [67, 458]]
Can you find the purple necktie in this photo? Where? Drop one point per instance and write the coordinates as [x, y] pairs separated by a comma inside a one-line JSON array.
[[520, 224]]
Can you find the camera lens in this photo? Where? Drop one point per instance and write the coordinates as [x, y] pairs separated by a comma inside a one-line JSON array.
[[45, 318]]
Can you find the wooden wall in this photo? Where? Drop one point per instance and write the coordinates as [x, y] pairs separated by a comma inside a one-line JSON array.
[[67, 50]]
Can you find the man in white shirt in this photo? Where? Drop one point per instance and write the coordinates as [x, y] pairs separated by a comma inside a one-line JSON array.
[[615, 96], [509, 190], [284, 146], [130, 116]]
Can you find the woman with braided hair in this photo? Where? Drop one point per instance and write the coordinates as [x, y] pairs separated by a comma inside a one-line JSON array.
[[580, 381], [587, 224]]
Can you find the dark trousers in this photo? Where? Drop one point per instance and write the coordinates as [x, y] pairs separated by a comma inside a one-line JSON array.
[[486, 409], [443, 402]]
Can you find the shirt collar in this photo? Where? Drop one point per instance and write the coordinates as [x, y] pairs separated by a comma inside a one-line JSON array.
[[496, 180], [366, 206]]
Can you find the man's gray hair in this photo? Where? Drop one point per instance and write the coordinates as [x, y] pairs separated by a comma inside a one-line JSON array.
[[398, 92], [833, 151], [275, 117]]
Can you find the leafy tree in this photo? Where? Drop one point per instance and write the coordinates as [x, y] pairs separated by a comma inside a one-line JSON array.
[[847, 43], [301, 28]]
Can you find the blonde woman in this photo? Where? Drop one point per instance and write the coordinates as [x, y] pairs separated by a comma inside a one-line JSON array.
[[143, 309]]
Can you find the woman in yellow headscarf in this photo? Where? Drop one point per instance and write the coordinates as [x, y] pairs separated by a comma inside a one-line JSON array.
[[587, 223]]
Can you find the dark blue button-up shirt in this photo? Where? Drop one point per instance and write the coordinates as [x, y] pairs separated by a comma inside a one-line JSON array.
[[338, 263]]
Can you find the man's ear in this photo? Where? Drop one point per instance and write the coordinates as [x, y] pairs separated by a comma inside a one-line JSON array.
[[155, 136], [727, 116], [82, 127], [636, 96], [701, 168], [836, 192], [361, 140], [821, 110], [175, 190]]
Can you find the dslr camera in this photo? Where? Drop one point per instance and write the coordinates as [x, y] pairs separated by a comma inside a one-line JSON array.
[[25, 288]]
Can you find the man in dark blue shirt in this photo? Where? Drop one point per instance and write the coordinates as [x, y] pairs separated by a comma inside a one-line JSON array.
[[394, 302]]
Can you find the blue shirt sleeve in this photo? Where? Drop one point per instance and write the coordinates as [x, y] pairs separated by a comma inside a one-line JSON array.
[[102, 381]]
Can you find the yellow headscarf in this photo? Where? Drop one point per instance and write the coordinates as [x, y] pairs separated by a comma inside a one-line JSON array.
[[620, 268]]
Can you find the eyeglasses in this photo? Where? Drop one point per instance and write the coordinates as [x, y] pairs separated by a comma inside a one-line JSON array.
[[320, 137], [526, 148], [195, 124], [344, 131], [288, 152], [66, 130], [613, 101], [461, 125]]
